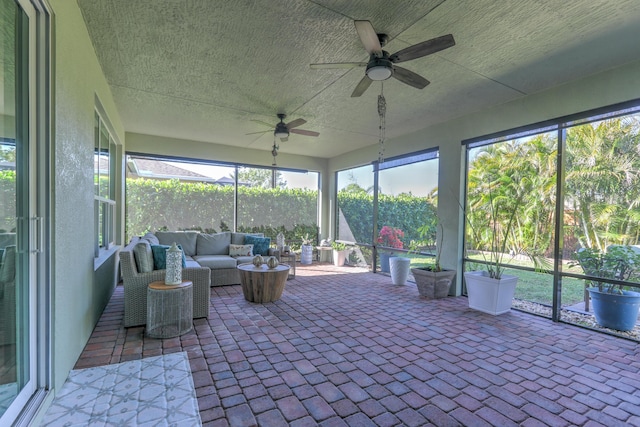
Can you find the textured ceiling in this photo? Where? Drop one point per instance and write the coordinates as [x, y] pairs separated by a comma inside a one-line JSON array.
[[203, 70]]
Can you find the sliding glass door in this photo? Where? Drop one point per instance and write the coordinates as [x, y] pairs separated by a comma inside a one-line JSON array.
[[17, 216]]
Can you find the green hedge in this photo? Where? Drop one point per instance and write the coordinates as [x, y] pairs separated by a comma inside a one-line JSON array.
[[408, 213], [174, 205]]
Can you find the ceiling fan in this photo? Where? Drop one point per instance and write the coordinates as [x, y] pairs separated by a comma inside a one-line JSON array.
[[381, 65], [283, 129]]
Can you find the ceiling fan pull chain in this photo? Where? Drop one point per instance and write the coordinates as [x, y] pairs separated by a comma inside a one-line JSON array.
[[382, 112]]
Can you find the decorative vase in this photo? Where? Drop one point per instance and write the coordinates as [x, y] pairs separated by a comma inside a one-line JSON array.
[[399, 269], [280, 241], [258, 261], [306, 256], [286, 249], [492, 296], [173, 274], [272, 262], [384, 262], [433, 284], [615, 311]]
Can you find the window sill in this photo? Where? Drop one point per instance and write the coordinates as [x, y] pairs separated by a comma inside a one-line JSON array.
[[105, 255]]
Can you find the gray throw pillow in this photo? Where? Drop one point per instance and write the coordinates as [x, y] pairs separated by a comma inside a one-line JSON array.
[[143, 256], [151, 238]]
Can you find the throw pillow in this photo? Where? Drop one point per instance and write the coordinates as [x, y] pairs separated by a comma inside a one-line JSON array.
[[160, 257], [143, 256], [240, 250], [260, 244]]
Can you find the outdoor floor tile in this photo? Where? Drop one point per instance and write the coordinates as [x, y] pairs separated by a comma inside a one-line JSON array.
[[345, 347]]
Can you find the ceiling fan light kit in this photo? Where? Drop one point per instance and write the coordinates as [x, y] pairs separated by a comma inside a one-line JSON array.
[[379, 69]]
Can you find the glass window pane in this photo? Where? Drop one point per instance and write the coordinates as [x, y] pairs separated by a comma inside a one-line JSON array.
[[510, 215], [355, 205], [173, 195], [298, 205], [602, 218]]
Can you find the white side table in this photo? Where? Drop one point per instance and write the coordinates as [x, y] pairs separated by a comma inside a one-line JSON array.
[[169, 309]]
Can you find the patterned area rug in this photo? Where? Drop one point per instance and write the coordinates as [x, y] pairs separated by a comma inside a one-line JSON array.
[[155, 391]]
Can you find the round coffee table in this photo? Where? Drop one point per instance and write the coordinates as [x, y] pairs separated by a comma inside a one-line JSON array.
[[263, 284]]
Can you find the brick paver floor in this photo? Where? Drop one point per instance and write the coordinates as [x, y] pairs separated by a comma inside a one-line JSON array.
[[345, 347]]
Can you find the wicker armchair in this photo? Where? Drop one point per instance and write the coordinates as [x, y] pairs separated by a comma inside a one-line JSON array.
[[135, 288]]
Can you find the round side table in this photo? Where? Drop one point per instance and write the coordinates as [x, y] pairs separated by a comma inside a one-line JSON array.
[[169, 309]]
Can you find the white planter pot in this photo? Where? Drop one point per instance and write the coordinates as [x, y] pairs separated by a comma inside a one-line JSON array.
[[306, 256], [339, 257], [399, 268], [492, 296]]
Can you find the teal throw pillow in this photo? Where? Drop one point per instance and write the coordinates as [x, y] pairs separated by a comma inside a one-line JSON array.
[[160, 257], [260, 244]]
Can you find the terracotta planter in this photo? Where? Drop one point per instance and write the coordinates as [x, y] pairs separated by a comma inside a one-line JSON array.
[[432, 284], [492, 296]]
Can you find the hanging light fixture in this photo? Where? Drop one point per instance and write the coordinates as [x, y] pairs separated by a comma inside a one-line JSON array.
[[274, 152], [382, 114]]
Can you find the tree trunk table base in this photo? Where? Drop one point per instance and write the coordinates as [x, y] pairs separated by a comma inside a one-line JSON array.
[[263, 284]]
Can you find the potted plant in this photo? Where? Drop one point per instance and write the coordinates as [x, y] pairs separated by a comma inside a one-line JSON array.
[[432, 281], [306, 255], [391, 238], [614, 307], [340, 253], [490, 290]]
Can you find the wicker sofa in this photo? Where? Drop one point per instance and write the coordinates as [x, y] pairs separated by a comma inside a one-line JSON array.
[[135, 285], [207, 262]]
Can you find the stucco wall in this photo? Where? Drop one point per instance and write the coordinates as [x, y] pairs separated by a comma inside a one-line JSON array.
[[76, 294], [607, 88]]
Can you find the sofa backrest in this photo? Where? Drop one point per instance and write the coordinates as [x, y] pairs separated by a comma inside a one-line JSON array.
[[238, 238], [186, 239], [213, 244]]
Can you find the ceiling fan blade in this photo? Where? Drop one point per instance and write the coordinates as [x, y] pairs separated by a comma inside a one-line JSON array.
[[262, 131], [410, 78], [295, 123], [362, 86], [337, 65], [262, 123], [305, 132], [423, 49], [368, 37]]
